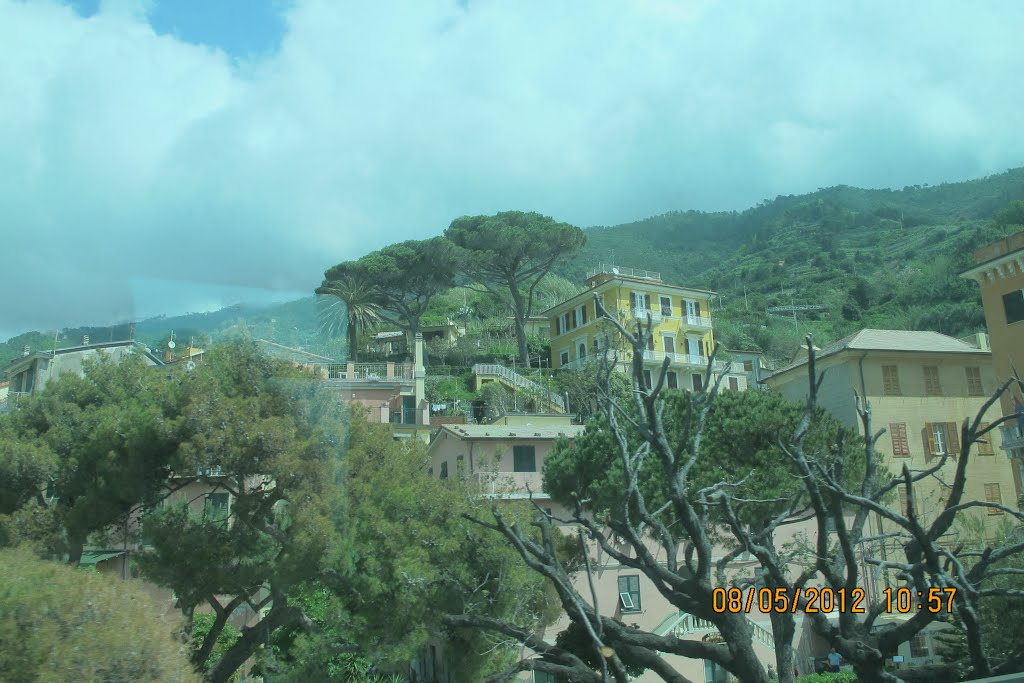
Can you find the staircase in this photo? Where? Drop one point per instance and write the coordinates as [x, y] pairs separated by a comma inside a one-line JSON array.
[[517, 382]]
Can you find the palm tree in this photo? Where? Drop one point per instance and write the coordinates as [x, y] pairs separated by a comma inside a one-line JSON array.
[[360, 301]]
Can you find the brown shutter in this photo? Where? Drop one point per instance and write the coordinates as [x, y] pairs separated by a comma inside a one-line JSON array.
[[929, 439], [900, 445], [993, 495], [696, 307], [953, 439], [985, 445]]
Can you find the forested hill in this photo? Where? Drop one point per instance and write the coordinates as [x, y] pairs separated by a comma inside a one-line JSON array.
[[871, 258]]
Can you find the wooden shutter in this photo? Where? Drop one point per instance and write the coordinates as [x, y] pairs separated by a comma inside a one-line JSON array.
[[953, 439], [891, 380], [900, 443], [734, 384], [696, 308], [932, 387], [985, 445], [993, 495], [929, 439], [974, 385]]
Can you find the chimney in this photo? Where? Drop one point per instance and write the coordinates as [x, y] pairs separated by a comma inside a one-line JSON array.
[[85, 340], [982, 342], [25, 350]]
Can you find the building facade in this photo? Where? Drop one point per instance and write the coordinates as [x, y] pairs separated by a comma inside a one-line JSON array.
[[921, 386], [999, 271], [680, 319]]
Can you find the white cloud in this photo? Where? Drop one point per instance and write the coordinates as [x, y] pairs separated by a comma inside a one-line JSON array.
[[126, 154]]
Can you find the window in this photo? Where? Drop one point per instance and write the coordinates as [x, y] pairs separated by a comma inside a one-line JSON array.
[[714, 673], [460, 466], [919, 646], [698, 382], [666, 306], [564, 357], [670, 344], [1013, 304], [444, 470], [583, 314], [216, 507], [629, 593], [734, 384], [581, 352], [992, 495], [524, 459], [931, 381], [942, 438], [891, 380], [900, 443], [985, 445], [748, 366], [672, 379], [974, 385], [648, 380]]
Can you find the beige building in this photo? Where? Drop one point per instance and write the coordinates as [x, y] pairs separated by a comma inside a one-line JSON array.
[[999, 271], [921, 386]]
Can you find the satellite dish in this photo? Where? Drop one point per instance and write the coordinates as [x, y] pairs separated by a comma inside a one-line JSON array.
[[190, 366], [170, 344]]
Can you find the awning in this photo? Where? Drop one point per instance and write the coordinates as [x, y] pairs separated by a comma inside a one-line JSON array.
[[91, 558]]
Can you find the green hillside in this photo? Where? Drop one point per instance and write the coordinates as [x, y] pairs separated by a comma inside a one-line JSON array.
[[869, 258]]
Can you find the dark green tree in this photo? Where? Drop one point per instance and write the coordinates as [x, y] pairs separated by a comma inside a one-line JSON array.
[[272, 439], [509, 254], [406, 276], [87, 451]]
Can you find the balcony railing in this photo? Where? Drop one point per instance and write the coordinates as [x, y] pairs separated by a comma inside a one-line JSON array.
[[510, 483], [641, 313], [365, 372], [625, 272], [688, 359], [698, 321], [1012, 436]]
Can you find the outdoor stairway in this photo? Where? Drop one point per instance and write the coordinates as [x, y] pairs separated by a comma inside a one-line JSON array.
[[517, 382]]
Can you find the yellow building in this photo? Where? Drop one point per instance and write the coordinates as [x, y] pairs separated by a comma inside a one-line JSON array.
[[680, 322], [999, 270]]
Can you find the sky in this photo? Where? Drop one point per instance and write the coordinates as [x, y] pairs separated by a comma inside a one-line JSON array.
[[168, 156]]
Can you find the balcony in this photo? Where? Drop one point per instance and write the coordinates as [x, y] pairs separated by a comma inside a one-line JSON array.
[[641, 314], [365, 372], [510, 484], [637, 273], [687, 359], [1012, 436], [697, 322]]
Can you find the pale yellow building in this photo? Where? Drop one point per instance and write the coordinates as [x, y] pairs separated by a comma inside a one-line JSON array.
[[681, 325], [999, 270], [921, 386]]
